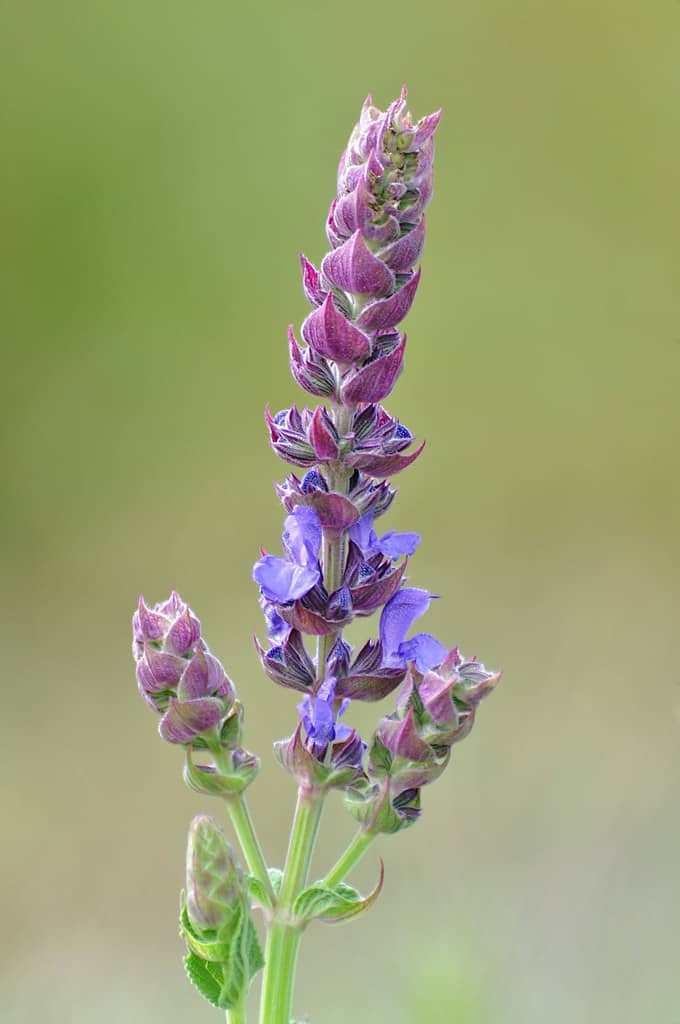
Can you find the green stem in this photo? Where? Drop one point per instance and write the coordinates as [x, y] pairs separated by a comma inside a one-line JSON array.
[[242, 822], [244, 828], [283, 939], [350, 858], [237, 1015]]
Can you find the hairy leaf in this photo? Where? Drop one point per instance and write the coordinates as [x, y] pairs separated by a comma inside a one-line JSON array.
[[334, 905]]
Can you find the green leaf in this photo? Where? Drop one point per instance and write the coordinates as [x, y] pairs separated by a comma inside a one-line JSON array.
[[333, 905], [245, 961], [205, 977]]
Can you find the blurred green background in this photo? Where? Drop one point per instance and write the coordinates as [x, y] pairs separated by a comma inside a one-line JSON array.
[[162, 165]]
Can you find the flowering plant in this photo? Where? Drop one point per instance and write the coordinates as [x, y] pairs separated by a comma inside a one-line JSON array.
[[335, 565]]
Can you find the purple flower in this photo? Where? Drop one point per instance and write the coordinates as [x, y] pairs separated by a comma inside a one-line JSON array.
[[282, 580], [391, 544], [396, 619], [319, 718]]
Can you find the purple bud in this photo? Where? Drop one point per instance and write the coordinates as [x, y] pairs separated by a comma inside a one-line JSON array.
[[401, 739], [436, 696], [382, 465], [379, 588], [157, 670], [403, 254], [331, 335], [185, 720], [288, 664], [184, 633], [338, 660], [354, 268], [310, 282], [204, 676], [148, 624], [375, 380], [323, 436], [386, 313]]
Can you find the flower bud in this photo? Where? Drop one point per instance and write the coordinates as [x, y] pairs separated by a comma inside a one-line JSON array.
[[214, 884], [288, 664]]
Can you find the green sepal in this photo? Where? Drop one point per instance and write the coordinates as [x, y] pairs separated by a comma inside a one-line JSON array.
[[205, 779], [378, 814], [216, 950], [334, 905], [231, 727], [380, 757]]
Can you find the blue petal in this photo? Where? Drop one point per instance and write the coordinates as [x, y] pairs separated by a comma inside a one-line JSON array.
[[282, 581], [326, 691], [425, 650], [398, 616], [392, 544], [302, 536], [362, 532], [277, 628], [323, 728]]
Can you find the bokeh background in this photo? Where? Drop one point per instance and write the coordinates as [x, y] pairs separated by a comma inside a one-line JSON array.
[[162, 165]]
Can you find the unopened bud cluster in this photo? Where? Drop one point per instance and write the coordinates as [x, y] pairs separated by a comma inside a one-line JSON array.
[[179, 678]]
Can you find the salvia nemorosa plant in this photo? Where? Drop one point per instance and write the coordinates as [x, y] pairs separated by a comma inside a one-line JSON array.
[[336, 565]]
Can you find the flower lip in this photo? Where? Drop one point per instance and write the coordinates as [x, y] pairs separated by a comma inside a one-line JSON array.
[[396, 619]]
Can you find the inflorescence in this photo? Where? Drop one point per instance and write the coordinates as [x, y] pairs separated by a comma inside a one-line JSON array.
[[335, 565]]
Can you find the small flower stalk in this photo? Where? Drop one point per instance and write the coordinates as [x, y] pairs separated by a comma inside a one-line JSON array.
[[336, 563]]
